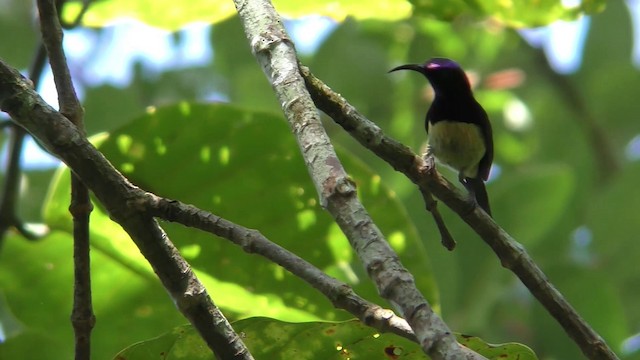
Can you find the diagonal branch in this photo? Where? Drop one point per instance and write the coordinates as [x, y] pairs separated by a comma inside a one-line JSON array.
[[62, 138], [252, 241], [337, 192], [340, 294], [134, 209], [512, 255]]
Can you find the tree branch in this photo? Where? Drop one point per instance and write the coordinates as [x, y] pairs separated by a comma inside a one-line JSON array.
[[512, 255], [337, 192], [82, 316], [251, 241], [10, 188], [60, 137], [130, 202]]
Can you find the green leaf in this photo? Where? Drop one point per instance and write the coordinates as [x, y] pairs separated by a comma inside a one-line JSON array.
[[272, 339], [174, 15], [108, 107], [512, 351], [515, 13], [245, 166], [163, 14], [37, 279]]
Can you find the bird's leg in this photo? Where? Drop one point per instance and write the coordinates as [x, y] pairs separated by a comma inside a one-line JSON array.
[[430, 161]]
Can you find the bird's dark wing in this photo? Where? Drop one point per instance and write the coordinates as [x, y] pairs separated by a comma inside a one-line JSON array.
[[476, 187], [485, 125]]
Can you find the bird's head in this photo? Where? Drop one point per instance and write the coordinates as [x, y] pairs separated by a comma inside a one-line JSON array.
[[445, 75]]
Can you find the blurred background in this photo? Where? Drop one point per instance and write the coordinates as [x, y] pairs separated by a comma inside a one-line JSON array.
[[561, 84]]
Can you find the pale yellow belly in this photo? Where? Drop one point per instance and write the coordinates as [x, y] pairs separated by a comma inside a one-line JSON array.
[[457, 145]]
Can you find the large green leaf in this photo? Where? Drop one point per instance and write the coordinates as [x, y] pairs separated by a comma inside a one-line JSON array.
[[246, 167], [36, 279], [271, 339], [174, 15], [514, 13]]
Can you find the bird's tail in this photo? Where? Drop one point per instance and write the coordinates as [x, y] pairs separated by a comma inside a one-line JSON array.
[[477, 189]]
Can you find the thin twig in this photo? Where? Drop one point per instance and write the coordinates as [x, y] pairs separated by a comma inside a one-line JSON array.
[[60, 137], [340, 294], [512, 255], [252, 241], [446, 239], [82, 316], [337, 192], [69, 103], [10, 190]]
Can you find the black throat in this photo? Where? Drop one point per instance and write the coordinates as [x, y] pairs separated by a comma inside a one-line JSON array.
[[459, 108]]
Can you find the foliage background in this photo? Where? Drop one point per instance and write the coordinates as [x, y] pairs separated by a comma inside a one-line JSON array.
[[575, 215]]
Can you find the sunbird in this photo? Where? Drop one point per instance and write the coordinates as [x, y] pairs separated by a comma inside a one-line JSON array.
[[458, 128]]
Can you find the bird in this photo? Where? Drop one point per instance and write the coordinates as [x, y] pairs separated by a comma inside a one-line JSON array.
[[458, 128]]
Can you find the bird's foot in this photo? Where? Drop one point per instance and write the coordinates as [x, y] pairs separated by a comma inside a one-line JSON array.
[[429, 162]]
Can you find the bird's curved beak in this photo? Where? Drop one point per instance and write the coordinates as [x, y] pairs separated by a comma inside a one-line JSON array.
[[414, 67]]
